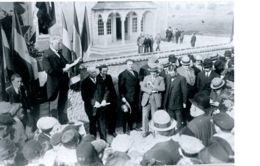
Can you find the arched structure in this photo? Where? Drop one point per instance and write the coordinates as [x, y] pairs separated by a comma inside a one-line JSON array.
[[121, 21]]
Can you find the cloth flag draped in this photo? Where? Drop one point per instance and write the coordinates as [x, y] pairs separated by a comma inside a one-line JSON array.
[[25, 65], [85, 38], [6, 64], [76, 46], [66, 44]]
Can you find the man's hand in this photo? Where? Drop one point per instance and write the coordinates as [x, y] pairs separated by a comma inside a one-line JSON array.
[[124, 100], [66, 68], [97, 104], [184, 105]]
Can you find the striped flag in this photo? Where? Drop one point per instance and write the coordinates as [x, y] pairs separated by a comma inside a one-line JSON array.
[[66, 44], [25, 65], [76, 46], [85, 38]]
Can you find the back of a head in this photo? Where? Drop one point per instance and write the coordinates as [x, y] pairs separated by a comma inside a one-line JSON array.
[[32, 150], [117, 159]]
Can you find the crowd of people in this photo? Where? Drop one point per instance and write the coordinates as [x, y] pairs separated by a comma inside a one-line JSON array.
[[189, 97], [174, 35]]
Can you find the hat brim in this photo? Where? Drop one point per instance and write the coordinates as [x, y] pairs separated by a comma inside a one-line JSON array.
[[172, 126], [220, 86], [185, 64]]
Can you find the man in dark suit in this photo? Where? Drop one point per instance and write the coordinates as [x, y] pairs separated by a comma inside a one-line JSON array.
[[109, 96], [88, 93], [205, 77], [57, 67], [17, 93], [176, 95], [129, 88]]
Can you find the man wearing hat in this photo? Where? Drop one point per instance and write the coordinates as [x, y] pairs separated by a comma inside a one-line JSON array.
[[129, 89], [163, 153], [189, 149], [200, 126], [176, 95], [186, 71], [205, 77], [223, 126], [193, 40], [152, 87], [162, 123], [151, 63], [218, 91]]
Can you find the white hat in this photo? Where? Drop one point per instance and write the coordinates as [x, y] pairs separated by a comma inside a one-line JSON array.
[[47, 123], [190, 145], [121, 143], [162, 121]]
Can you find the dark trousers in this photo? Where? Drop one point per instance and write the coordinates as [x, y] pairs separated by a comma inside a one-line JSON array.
[[146, 48], [186, 112], [130, 118], [98, 119], [62, 100], [177, 115], [111, 118]]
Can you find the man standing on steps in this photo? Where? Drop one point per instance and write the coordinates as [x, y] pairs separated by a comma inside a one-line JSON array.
[[129, 88], [193, 40]]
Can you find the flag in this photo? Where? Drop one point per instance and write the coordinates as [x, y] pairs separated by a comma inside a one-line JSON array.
[[46, 16], [76, 46], [85, 38], [6, 64], [24, 64], [66, 44]]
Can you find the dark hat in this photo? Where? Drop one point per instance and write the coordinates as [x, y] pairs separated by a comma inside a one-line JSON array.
[[214, 154], [201, 100], [192, 58], [87, 155], [185, 60], [207, 63], [166, 65], [172, 58], [217, 83], [6, 119], [228, 53], [70, 138], [102, 66], [7, 149], [56, 139], [214, 57], [32, 150], [223, 121]]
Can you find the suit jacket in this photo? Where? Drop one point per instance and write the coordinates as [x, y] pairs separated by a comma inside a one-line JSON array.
[[56, 79], [203, 82], [176, 93], [159, 86], [21, 97], [88, 90], [105, 89], [128, 85]]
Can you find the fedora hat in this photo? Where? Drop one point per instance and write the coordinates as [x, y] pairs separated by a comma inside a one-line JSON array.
[[201, 100], [162, 121], [217, 83], [185, 60], [207, 63], [214, 57], [190, 145]]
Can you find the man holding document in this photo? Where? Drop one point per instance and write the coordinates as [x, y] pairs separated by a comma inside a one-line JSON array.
[[57, 68]]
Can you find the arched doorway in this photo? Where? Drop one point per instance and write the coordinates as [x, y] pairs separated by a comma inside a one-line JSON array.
[[131, 25], [147, 23]]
